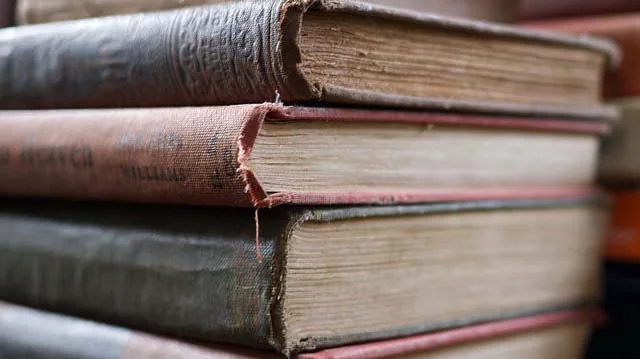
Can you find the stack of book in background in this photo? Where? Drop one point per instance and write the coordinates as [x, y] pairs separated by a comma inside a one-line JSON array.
[[619, 164], [303, 178]]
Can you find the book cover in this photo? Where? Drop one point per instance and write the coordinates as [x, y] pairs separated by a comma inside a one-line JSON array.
[[296, 279]]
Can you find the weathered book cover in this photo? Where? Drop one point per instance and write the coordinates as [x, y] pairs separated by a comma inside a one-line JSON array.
[[206, 274], [38, 11], [27, 333], [199, 155], [209, 55], [624, 30]]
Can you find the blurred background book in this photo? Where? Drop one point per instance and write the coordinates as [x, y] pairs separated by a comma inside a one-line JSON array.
[[619, 165]]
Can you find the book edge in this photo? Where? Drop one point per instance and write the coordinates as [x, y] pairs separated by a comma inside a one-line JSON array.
[[477, 332], [359, 97], [512, 201], [589, 123], [606, 47], [461, 194]]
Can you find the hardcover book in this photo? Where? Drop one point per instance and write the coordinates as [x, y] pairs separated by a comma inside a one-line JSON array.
[[305, 278], [265, 155], [28, 333], [624, 29], [37, 11], [338, 52]]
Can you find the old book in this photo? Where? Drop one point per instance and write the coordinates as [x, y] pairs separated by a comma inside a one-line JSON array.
[[265, 155], [310, 278], [7, 12], [619, 161], [540, 9], [624, 30], [29, 333], [299, 51], [38, 11]]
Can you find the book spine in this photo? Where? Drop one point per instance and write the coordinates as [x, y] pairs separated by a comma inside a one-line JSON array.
[[225, 54], [180, 271], [30, 333], [180, 155]]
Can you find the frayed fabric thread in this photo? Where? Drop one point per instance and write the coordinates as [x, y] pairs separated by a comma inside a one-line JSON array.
[[277, 99], [257, 221]]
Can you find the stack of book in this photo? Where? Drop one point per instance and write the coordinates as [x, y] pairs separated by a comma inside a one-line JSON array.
[[619, 167], [305, 178]]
